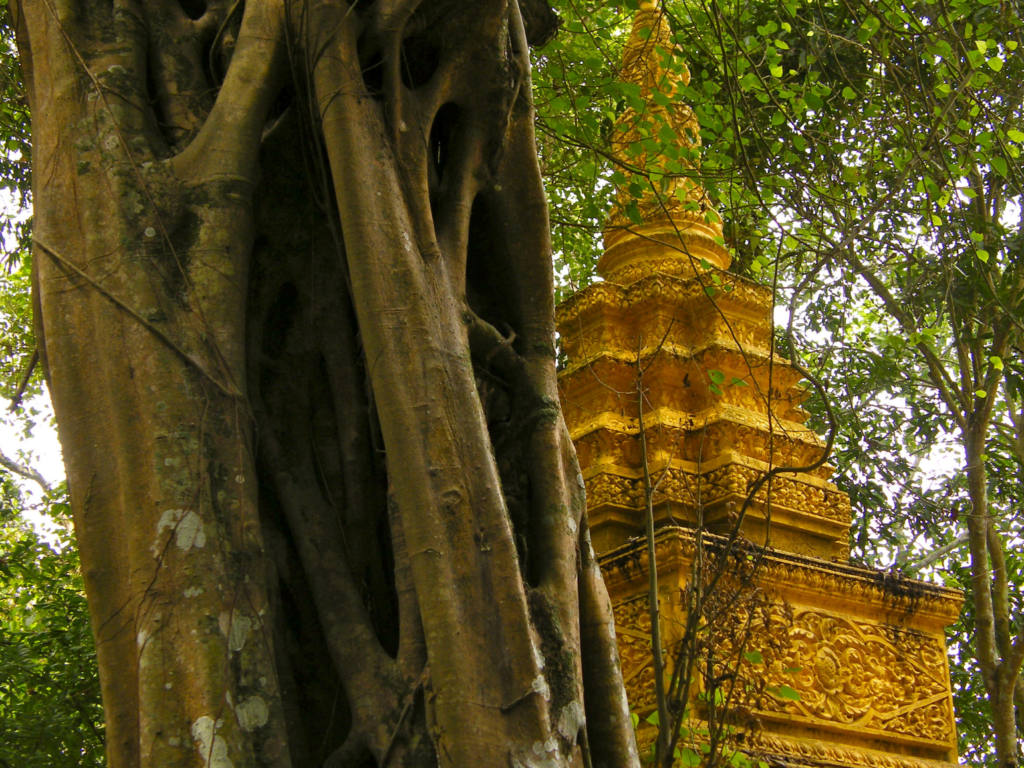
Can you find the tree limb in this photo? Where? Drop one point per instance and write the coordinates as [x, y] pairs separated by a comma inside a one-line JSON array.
[[26, 472], [938, 554]]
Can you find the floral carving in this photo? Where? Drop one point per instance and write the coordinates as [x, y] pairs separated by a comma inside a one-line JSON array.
[[728, 483], [925, 606], [864, 676], [819, 752], [633, 630], [611, 439], [872, 679]]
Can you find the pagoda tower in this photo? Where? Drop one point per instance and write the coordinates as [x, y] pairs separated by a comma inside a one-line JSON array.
[[862, 659]]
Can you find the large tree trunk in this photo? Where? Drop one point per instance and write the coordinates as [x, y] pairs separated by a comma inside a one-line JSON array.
[[294, 293]]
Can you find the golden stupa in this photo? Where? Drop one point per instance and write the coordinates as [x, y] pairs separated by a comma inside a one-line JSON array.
[[851, 666]]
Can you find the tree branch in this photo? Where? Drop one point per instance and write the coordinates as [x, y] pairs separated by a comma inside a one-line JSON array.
[[938, 554], [957, 406], [26, 472]]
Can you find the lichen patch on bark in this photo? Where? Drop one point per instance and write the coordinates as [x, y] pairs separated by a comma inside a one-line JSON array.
[[186, 526], [212, 748], [252, 713]]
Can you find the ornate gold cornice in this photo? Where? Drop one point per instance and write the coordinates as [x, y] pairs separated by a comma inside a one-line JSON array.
[[802, 494], [865, 591], [813, 752], [610, 438], [794, 752], [745, 361], [662, 281]]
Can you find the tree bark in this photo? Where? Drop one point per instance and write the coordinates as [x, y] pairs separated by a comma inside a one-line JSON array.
[[294, 291]]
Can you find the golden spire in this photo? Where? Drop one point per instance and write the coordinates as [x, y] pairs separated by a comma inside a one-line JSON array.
[[679, 228], [721, 408]]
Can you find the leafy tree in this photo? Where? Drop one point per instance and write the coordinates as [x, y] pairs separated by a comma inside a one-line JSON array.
[[50, 712]]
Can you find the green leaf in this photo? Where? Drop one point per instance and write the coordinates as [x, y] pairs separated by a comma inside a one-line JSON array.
[[716, 376], [789, 693], [715, 390], [995, 63], [1016, 136], [735, 381], [996, 362], [999, 164], [849, 93], [868, 28], [738, 760], [754, 657], [982, 255], [653, 718], [689, 758], [980, 393]]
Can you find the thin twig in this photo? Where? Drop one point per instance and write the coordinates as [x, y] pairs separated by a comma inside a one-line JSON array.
[[229, 391], [23, 384]]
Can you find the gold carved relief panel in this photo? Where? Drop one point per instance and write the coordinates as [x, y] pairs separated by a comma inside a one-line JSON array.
[[866, 678], [876, 683]]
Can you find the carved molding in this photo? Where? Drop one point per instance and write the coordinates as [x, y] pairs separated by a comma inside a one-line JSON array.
[[801, 580], [813, 752], [816, 752], [609, 439], [679, 378], [672, 289], [728, 483]]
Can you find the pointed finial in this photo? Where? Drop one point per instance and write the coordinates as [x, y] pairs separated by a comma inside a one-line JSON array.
[[676, 228], [641, 63]]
